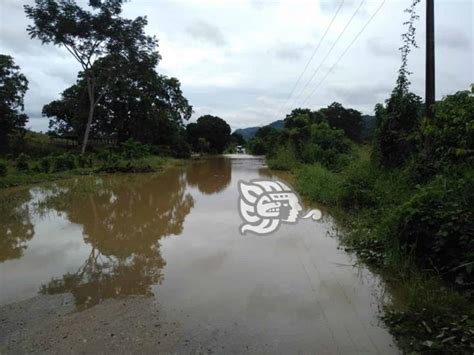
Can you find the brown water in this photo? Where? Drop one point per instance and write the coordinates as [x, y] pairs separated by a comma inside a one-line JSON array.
[[174, 236]]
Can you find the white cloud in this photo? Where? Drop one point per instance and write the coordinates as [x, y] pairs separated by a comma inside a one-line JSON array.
[[239, 59]]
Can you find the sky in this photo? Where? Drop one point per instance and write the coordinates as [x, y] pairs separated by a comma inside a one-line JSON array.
[[240, 59]]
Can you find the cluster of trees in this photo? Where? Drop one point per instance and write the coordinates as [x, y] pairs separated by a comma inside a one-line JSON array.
[[13, 86], [323, 136], [118, 94]]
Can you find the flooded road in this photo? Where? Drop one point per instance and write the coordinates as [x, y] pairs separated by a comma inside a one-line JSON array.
[[155, 262]]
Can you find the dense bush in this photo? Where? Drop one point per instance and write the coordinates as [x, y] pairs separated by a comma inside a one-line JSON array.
[[43, 165], [448, 138], [84, 161], [3, 168], [436, 227], [319, 184], [64, 162], [283, 159], [358, 184], [131, 149], [396, 128], [22, 162]]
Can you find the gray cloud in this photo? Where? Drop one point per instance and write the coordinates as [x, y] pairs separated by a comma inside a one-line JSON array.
[[290, 52], [365, 94], [382, 48], [206, 32], [451, 38]]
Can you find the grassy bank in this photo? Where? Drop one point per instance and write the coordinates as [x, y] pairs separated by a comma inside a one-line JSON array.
[[410, 233], [129, 157]]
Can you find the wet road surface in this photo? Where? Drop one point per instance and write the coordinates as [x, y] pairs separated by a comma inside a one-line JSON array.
[[117, 262]]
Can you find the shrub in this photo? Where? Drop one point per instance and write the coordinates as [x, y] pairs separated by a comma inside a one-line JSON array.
[[319, 184], [396, 125], [64, 162], [283, 159], [84, 161], [435, 227], [358, 184], [44, 165], [131, 149], [3, 168], [448, 137], [22, 162]]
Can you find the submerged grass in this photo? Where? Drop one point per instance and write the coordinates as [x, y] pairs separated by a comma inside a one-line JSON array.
[[18, 177]]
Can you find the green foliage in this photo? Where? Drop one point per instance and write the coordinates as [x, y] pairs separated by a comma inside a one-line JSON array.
[[3, 168], [358, 184], [13, 86], [256, 146], [131, 149], [283, 159], [22, 162], [64, 162], [43, 165], [84, 161], [320, 184], [449, 137], [210, 134], [435, 227], [348, 120], [396, 127]]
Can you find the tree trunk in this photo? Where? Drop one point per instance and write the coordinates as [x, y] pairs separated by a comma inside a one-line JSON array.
[[91, 115]]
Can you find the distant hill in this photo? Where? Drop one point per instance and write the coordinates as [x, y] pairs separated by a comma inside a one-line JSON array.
[[249, 132]]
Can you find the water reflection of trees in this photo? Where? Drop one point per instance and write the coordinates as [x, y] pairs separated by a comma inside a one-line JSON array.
[[211, 175], [16, 228], [124, 224]]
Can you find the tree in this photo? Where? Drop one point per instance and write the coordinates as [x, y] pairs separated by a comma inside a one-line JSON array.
[[13, 86], [237, 139], [349, 120], [212, 129], [89, 36], [140, 104]]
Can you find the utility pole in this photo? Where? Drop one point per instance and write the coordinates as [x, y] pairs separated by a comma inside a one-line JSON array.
[[430, 59]]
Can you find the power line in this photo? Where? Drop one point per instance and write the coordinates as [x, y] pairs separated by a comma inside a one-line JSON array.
[[345, 51], [310, 59], [331, 49]]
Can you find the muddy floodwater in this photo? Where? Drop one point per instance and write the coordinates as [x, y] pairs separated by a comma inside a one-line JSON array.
[[155, 263]]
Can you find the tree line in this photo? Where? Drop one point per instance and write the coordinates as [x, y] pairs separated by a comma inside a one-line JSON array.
[[118, 93]]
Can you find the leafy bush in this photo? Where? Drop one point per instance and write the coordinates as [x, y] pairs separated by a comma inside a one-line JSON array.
[[64, 162], [85, 161], [449, 136], [435, 227], [131, 149], [319, 184], [3, 168], [43, 165], [257, 147], [358, 184], [283, 159], [396, 125], [22, 162]]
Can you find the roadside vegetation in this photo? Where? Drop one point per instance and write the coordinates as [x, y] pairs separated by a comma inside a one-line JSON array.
[[405, 202], [404, 194], [121, 115]]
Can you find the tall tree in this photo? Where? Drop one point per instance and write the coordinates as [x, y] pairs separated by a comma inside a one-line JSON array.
[[138, 103], [89, 36], [13, 86], [349, 120], [213, 130]]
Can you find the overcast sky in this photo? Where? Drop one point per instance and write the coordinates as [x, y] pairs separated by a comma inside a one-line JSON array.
[[239, 59]]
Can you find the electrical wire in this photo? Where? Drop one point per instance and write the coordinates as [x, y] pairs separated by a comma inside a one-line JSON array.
[[345, 51]]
